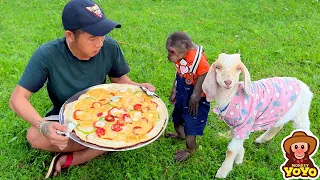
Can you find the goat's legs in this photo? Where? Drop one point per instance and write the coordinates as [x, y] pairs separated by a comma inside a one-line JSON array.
[[240, 155], [302, 122], [269, 134], [303, 102], [235, 151]]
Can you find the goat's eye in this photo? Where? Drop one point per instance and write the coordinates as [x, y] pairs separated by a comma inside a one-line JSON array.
[[239, 68], [218, 67]]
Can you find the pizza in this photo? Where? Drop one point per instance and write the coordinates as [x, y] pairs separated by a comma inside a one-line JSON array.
[[116, 116]]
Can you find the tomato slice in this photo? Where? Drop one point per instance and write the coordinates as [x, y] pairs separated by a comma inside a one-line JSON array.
[[145, 109], [100, 132], [127, 118], [150, 129], [145, 119], [96, 105], [137, 107], [76, 114], [109, 118], [154, 103], [99, 114], [116, 127], [136, 130], [121, 122], [124, 116], [107, 138]]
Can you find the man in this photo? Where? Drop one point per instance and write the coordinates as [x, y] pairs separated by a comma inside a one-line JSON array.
[[83, 58]]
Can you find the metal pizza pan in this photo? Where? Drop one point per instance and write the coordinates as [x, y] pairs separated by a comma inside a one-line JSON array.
[[75, 138]]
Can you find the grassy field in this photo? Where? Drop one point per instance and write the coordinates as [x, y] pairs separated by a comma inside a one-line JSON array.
[[275, 38]]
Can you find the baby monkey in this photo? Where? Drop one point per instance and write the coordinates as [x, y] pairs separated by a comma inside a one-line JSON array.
[[191, 109]]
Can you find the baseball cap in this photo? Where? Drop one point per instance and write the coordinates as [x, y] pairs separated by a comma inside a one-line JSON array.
[[87, 16]]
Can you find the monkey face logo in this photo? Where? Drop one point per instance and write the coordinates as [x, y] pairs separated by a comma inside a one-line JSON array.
[[298, 149], [95, 10]]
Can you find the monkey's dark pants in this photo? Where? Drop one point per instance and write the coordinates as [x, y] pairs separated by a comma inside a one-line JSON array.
[[193, 125]]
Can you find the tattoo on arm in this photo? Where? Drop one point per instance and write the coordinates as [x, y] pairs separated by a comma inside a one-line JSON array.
[[44, 128]]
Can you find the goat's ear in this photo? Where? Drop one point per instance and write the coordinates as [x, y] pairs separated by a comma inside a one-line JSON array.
[[209, 85], [247, 79]]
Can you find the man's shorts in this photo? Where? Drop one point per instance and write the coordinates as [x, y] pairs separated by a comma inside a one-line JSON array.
[[52, 118], [193, 125]]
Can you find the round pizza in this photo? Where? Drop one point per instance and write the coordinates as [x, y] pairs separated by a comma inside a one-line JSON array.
[[116, 116]]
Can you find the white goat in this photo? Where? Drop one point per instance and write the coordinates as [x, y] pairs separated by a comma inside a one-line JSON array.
[[259, 109]]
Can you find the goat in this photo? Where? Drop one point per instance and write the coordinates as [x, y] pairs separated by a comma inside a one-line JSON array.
[[248, 106]]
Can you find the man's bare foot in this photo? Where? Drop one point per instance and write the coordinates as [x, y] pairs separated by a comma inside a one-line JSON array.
[[67, 160], [61, 161], [181, 155], [172, 135], [64, 160]]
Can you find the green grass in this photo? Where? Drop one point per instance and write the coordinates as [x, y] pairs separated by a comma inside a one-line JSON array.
[[275, 38]]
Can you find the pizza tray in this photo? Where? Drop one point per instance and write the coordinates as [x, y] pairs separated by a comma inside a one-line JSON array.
[[75, 138]]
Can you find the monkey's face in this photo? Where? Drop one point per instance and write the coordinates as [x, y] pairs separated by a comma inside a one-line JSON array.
[[299, 149], [175, 54]]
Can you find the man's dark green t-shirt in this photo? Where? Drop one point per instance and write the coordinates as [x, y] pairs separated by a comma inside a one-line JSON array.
[[66, 75]]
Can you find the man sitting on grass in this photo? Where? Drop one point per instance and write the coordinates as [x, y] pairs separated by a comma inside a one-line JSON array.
[[81, 59]]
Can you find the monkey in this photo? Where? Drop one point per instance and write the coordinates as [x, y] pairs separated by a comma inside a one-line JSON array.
[[178, 44], [191, 109]]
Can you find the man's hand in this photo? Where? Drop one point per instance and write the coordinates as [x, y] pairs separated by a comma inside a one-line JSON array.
[[49, 131], [148, 86], [124, 79], [194, 104]]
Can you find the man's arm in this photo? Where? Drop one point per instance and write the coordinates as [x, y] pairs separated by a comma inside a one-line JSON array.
[[19, 103], [124, 79]]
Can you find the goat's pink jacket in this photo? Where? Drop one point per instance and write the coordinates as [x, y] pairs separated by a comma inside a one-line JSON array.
[[273, 97]]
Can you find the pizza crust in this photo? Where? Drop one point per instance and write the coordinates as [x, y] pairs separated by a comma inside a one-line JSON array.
[[112, 144]]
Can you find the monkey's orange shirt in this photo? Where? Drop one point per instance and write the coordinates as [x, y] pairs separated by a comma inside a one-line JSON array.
[[184, 65]]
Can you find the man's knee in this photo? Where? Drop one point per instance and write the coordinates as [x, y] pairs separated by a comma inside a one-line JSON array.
[[33, 136]]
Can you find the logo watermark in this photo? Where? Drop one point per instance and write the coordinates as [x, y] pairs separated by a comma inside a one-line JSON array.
[[298, 148]]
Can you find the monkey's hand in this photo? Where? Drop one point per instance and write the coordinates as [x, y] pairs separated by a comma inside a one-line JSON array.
[[194, 104], [196, 95], [172, 98]]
